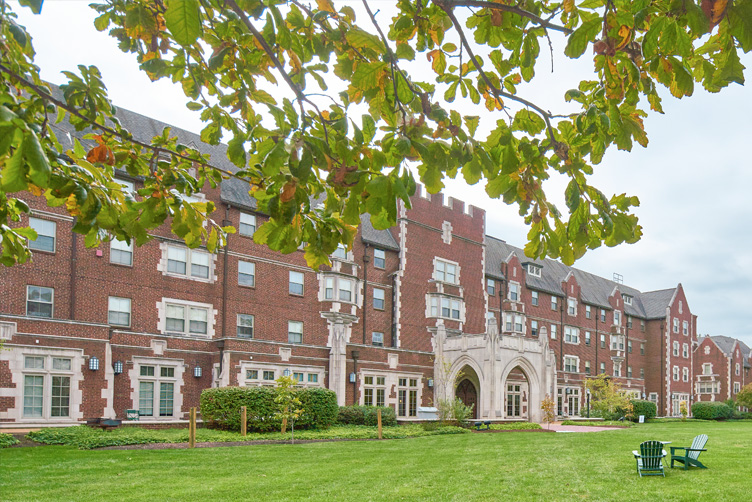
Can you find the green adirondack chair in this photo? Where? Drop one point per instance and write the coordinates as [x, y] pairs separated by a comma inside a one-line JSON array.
[[649, 459], [690, 454]]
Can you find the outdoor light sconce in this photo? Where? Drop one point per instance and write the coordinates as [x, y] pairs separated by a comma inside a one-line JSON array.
[[430, 382], [286, 372], [118, 367], [197, 372], [93, 363], [352, 377]]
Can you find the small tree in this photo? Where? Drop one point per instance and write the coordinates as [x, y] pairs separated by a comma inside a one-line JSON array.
[[744, 397], [289, 407], [683, 410], [547, 405], [607, 397], [445, 386]]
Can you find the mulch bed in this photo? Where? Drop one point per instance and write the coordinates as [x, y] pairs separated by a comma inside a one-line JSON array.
[[24, 442]]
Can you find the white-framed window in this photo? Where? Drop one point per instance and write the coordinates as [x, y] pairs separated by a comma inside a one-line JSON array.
[[629, 346], [554, 327], [676, 324], [587, 367], [685, 328], [377, 338], [534, 295], [708, 388], [445, 271], [190, 263], [491, 287], [345, 287], [514, 292], [554, 302], [374, 390], [40, 301], [513, 323], [47, 386], [407, 397], [341, 289], [617, 368], [629, 371], [603, 341], [571, 364], [245, 325], [156, 390], [246, 273], [617, 317], [572, 306], [737, 387], [379, 258], [588, 311], [617, 342], [707, 369], [446, 307], [119, 311], [378, 298], [247, 225], [642, 325], [340, 253], [46, 234], [685, 350], [685, 374], [129, 185], [571, 335], [603, 367], [627, 299], [534, 328], [534, 270], [587, 338], [187, 318], [676, 349], [294, 332], [268, 375], [603, 315], [676, 373], [629, 321], [295, 285], [736, 372], [121, 253]]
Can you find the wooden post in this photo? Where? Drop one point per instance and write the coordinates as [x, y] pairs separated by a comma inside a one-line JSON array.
[[378, 418], [192, 429], [243, 421]]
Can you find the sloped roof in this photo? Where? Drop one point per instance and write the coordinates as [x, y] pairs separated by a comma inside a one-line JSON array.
[[594, 290], [724, 343], [379, 238]]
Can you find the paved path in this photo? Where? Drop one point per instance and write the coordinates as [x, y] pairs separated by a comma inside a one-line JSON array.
[[581, 428]]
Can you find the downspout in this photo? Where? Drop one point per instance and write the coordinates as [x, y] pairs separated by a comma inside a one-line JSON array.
[[226, 222], [626, 351], [366, 259], [597, 341], [73, 273], [561, 336], [355, 356], [663, 370]]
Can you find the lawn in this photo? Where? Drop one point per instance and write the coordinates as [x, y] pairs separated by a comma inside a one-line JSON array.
[[503, 466]]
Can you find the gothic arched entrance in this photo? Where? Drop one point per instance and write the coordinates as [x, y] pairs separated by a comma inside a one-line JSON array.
[[516, 393], [468, 394]]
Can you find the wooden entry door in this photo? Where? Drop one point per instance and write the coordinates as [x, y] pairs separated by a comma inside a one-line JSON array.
[[469, 395]]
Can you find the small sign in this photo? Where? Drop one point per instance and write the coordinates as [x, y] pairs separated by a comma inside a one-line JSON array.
[[642, 419]]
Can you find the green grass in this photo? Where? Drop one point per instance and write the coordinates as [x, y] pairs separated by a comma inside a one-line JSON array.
[[511, 466], [602, 423]]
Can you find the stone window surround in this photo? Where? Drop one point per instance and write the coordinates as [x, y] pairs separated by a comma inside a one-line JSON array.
[[439, 297], [162, 314], [279, 370], [134, 373], [435, 275], [576, 363], [391, 397], [162, 265], [355, 292]]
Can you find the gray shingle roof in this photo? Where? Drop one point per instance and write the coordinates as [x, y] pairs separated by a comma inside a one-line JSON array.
[[595, 290], [379, 238], [725, 343]]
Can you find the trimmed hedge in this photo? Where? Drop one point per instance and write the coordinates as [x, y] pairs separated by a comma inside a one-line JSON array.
[[220, 408], [366, 415], [712, 411], [642, 407]]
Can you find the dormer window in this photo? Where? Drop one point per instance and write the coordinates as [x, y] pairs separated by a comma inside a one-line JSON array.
[[534, 270], [627, 299]]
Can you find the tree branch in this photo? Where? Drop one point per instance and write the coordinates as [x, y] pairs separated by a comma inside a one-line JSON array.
[[508, 8]]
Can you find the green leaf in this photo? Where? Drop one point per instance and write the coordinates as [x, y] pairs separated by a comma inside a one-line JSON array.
[[740, 20], [35, 5], [39, 166], [472, 123], [369, 128], [578, 40], [236, 151], [183, 19], [14, 173], [367, 75]]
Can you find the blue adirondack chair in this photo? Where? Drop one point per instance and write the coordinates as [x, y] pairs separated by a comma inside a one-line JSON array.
[[690, 454], [649, 459]]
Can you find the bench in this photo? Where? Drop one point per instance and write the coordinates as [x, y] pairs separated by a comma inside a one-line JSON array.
[[487, 423], [103, 423]]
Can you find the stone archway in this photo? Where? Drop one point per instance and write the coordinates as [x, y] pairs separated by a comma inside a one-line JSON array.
[[468, 388], [516, 394]]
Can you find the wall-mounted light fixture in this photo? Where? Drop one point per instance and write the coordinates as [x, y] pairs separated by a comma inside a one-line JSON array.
[[93, 363], [352, 377], [286, 373], [197, 372], [430, 382], [118, 367]]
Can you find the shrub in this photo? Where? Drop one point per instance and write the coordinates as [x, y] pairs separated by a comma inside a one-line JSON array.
[[430, 426], [7, 440], [712, 411], [351, 415], [388, 417], [647, 408], [366, 415], [516, 426], [220, 408]]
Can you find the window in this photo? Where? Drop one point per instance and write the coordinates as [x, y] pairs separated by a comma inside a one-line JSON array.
[[119, 311], [737, 387], [617, 368], [294, 332], [571, 306], [737, 369], [685, 351], [298, 377], [514, 400], [156, 391], [617, 318], [268, 375], [39, 301], [345, 290], [180, 259], [127, 184], [603, 315], [121, 253], [246, 273], [554, 303], [642, 372], [629, 372], [329, 288], [603, 341], [514, 291], [46, 387], [535, 298], [676, 349], [296, 283], [685, 374], [379, 258], [707, 369], [603, 367], [313, 378], [571, 334], [445, 271], [588, 312], [377, 339], [676, 373], [340, 252], [685, 328], [340, 289], [374, 390], [553, 331], [448, 308], [46, 231], [642, 349], [534, 270], [587, 367], [681, 304], [491, 287], [245, 326], [378, 299], [570, 364], [676, 324], [247, 225], [534, 328], [642, 325], [617, 342], [587, 338], [629, 346], [629, 321], [175, 319], [407, 397], [627, 299], [708, 388]]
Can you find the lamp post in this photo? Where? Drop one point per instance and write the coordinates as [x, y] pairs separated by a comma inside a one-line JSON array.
[[588, 402]]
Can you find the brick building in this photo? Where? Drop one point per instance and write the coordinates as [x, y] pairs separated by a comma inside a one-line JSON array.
[[96, 332], [721, 368]]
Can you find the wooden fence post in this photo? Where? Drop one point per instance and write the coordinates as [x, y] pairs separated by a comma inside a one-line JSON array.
[[378, 418], [192, 429], [243, 421]]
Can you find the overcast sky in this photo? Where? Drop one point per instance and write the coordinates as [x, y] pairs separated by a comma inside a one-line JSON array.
[[693, 180]]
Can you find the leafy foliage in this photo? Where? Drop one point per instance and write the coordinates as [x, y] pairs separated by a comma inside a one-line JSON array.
[[744, 397], [289, 407], [366, 415], [516, 426], [643, 407], [549, 410], [312, 140], [712, 410], [7, 440], [607, 398]]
